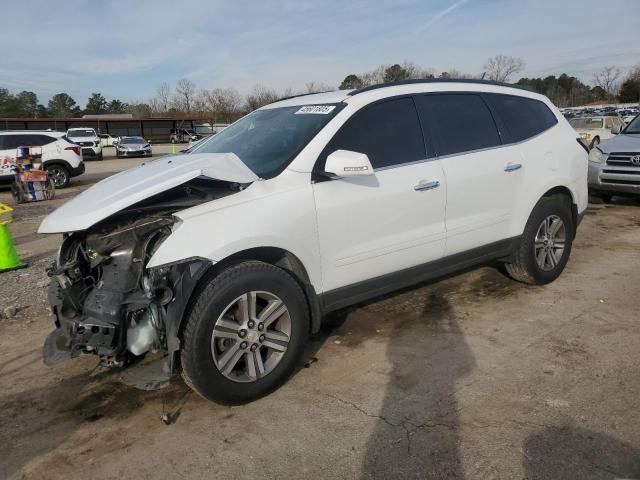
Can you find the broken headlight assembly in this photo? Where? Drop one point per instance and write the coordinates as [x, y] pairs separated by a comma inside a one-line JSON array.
[[104, 300]]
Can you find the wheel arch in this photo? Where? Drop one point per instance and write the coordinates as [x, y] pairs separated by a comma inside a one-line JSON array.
[[57, 161], [563, 190], [276, 256]]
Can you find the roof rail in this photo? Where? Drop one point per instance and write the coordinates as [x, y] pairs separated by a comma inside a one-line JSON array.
[[299, 95], [433, 80]]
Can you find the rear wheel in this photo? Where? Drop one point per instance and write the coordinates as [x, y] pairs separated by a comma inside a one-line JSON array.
[[59, 175], [545, 245], [17, 192], [245, 334]]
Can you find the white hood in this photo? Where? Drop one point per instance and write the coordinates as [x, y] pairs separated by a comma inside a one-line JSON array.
[[127, 188]]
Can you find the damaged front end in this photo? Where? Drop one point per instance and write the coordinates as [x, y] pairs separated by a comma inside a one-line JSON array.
[[104, 298]]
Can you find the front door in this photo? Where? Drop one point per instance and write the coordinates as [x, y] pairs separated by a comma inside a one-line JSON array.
[[373, 225]]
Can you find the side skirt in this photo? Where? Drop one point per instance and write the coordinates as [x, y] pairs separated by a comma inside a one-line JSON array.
[[375, 287]]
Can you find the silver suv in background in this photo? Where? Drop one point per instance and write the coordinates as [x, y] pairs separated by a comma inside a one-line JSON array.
[[614, 165]]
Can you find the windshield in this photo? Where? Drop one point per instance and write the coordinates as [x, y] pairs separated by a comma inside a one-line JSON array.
[[587, 123], [267, 140], [132, 140], [82, 133], [633, 127]]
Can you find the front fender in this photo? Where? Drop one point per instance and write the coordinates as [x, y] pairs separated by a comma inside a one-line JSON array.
[[260, 218]]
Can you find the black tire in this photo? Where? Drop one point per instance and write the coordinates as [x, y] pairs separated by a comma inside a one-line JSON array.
[[100, 156], [524, 267], [60, 175], [198, 367], [605, 197], [17, 192]]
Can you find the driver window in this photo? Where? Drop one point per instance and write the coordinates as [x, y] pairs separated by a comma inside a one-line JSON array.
[[389, 133]]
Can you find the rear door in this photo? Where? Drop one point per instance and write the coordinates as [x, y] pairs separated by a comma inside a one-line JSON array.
[[482, 175], [374, 225]]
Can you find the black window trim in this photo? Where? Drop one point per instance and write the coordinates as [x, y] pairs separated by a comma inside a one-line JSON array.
[[496, 124], [428, 136], [507, 134], [318, 175]]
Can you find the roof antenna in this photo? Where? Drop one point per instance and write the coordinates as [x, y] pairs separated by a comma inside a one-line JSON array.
[[482, 78]]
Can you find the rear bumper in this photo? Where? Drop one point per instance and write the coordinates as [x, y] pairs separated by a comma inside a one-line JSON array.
[[79, 170]]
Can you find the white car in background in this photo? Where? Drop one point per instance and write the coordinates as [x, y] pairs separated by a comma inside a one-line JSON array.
[[88, 140], [107, 140], [596, 129], [60, 157]]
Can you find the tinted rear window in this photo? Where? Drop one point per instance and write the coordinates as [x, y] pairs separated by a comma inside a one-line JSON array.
[[523, 117], [459, 122]]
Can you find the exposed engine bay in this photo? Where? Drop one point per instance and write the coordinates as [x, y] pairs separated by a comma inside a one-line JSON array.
[[105, 301]]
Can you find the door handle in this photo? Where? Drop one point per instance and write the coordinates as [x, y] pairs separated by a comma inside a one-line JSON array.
[[512, 167], [427, 186]]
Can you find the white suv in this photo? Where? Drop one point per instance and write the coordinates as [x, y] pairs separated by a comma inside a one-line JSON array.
[[227, 258], [60, 157], [89, 140]]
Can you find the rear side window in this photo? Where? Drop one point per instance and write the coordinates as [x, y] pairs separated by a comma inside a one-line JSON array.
[[388, 133], [523, 117], [45, 139], [459, 122]]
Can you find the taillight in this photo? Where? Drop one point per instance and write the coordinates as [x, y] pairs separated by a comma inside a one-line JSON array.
[[583, 143], [74, 148]]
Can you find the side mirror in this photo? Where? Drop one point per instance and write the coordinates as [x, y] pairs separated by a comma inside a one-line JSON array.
[[344, 163], [615, 129]]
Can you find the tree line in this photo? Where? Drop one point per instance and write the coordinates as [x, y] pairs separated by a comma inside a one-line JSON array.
[[223, 105]]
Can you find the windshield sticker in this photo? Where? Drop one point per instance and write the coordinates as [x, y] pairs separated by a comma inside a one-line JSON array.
[[317, 109]]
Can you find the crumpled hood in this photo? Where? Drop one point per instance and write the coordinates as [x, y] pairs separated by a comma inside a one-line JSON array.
[[621, 143], [129, 187]]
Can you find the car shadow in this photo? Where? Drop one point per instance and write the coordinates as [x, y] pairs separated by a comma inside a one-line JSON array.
[[575, 452], [429, 356]]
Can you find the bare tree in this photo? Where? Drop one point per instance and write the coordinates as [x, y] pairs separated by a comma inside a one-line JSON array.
[[501, 67], [607, 79], [224, 105], [316, 87], [160, 102], [374, 77], [261, 96], [185, 92]]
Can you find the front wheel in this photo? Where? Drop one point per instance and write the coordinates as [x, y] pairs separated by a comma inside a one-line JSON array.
[[245, 333], [59, 175], [545, 245]]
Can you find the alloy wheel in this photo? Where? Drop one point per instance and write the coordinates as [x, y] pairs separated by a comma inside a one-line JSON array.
[[251, 336], [550, 242], [58, 175]]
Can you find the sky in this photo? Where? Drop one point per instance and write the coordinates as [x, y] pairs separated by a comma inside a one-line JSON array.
[[126, 49]]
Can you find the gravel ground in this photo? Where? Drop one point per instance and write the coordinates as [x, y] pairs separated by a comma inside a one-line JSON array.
[[473, 377]]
